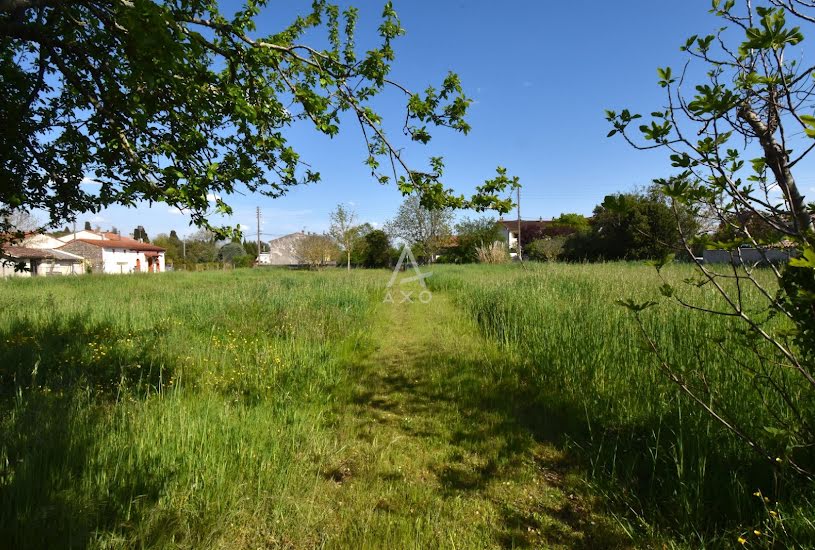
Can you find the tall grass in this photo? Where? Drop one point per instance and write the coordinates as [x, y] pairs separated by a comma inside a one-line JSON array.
[[589, 381], [207, 410], [182, 409]]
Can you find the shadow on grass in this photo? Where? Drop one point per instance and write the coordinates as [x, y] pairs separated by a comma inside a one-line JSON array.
[[57, 383], [49, 449], [502, 419], [70, 352], [494, 429]]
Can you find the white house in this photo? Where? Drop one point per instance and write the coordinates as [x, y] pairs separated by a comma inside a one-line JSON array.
[[42, 241], [112, 253], [84, 234], [38, 262]]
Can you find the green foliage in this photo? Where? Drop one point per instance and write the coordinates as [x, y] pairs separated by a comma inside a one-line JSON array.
[[470, 234], [175, 102], [377, 249], [626, 226], [578, 222], [545, 250], [140, 234], [231, 252], [798, 283], [425, 229], [173, 248], [344, 231], [738, 141], [201, 248], [251, 248]]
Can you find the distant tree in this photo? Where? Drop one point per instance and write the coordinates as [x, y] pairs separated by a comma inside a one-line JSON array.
[[316, 251], [359, 248], [472, 233], [172, 247], [377, 249], [628, 226], [201, 247], [578, 222], [140, 234], [18, 222], [251, 248], [425, 230], [344, 231], [231, 252], [88, 226]]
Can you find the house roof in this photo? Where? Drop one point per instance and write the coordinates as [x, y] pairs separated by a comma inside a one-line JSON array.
[[121, 242], [526, 225], [26, 253]]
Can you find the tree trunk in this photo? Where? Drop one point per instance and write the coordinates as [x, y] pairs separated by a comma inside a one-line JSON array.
[[348, 256], [778, 162]]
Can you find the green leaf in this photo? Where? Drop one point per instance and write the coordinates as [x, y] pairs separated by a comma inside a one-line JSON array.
[[806, 260]]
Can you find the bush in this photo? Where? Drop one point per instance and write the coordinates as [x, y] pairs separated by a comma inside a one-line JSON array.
[[546, 250]]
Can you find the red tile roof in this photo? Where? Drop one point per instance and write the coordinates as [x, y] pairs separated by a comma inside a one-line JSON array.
[[121, 242], [526, 225]]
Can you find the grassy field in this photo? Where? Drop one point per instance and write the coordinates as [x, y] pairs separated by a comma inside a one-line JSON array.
[[256, 409]]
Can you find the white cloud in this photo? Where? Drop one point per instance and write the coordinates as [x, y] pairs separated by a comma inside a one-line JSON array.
[[177, 211], [88, 181], [212, 197]]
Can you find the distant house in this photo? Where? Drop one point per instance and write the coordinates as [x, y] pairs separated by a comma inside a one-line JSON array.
[[41, 240], [112, 253], [38, 262], [282, 251], [84, 234], [531, 230]]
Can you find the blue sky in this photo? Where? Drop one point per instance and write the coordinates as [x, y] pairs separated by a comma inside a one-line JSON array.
[[540, 74]]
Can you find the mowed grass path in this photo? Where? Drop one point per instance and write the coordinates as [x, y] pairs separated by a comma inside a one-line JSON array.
[[433, 454]]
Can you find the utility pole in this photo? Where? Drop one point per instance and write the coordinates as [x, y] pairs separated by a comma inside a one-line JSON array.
[[258, 216], [518, 244]]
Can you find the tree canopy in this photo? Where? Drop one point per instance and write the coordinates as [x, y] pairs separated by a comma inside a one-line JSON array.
[[423, 228], [344, 231], [472, 233], [168, 101], [737, 123]]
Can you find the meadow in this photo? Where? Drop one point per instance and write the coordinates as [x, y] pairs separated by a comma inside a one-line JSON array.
[[295, 409]]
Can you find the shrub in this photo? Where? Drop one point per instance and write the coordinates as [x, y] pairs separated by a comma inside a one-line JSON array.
[[495, 253], [546, 250]]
